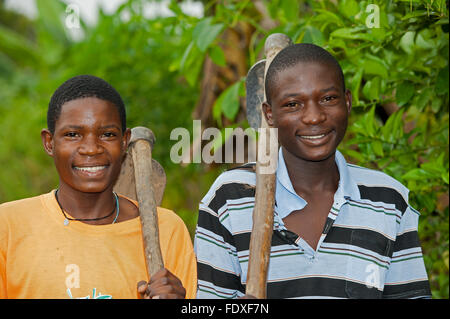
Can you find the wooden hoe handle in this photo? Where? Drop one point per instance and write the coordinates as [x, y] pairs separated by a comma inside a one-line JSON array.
[[261, 236], [141, 144]]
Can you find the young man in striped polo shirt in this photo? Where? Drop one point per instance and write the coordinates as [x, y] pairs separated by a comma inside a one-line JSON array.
[[340, 231]]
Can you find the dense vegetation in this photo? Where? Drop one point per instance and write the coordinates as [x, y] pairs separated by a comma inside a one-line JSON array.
[[171, 70]]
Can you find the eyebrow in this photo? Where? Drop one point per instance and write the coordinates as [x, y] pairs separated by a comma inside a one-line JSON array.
[[79, 127], [331, 88], [110, 126], [72, 127], [289, 95]]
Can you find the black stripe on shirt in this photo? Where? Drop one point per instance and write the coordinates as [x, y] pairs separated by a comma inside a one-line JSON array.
[[212, 223], [242, 240], [219, 278], [320, 286], [383, 194], [363, 238], [407, 240], [408, 290], [229, 192]]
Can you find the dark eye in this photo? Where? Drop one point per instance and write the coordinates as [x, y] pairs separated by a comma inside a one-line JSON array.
[[291, 104], [329, 98], [109, 134], [71, 134]]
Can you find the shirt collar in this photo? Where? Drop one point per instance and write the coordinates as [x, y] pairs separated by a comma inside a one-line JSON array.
[[287, 199]]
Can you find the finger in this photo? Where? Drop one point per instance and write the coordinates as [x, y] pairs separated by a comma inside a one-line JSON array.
[[142, 285], [164, 272], [142, 288], [165, 284], [167, 290]]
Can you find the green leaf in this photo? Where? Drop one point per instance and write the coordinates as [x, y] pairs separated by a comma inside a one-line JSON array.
[[217, 110], [228, 102], [355, 154], [353, 33], [417, 174], [444, 177], [191, 63], [205, 33], [407, 42], [368, 120], [405, 92], [217, 55], [186, 54], [326, 16], [371, 89], [423, 98], [392, 129], [432, 168], [348, 8], [356, 84], [424, 41], [414, 14], [372, 66], [377, 147], [313, 35], [436, 104]]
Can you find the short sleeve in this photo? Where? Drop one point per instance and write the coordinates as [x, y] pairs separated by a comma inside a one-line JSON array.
[[407, 276], [178, 251]]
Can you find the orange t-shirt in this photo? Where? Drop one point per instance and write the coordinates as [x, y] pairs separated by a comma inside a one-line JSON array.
[[40, 257]]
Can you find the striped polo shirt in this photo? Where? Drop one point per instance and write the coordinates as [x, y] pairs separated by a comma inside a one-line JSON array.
[[369, 247]]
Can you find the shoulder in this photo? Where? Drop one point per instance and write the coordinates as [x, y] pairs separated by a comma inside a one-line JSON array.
[[19, 215], [235, 183], [170, 223], [379, 186], [20, 206], [244, 174], [167, 216], [173, 233], [362, 174]]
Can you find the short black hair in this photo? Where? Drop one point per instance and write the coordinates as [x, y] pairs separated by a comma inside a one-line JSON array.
[[294, 54], [82, 86]]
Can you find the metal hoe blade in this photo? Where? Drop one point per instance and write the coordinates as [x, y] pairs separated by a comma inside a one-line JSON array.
[[255, 93]]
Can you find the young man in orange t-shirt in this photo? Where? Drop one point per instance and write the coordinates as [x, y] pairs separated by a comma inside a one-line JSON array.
[[83, 240]]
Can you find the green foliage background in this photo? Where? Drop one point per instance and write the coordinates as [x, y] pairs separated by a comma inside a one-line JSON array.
[[398, 72]]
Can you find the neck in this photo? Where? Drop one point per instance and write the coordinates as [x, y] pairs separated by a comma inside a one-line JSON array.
[[81, 205], [309, 177]]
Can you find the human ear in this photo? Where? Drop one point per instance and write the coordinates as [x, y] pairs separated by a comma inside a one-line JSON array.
[[47, 141], [348, 100], [267, 110], [126, 139]]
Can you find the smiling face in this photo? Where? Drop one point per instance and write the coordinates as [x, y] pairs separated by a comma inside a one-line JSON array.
[[310, 108], [87, 145]]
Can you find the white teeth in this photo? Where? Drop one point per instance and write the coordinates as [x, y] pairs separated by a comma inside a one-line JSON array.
[[90, 169], [312, 137]]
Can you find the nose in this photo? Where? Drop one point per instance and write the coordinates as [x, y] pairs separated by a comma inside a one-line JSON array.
[[90, 146], [313, 114]]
